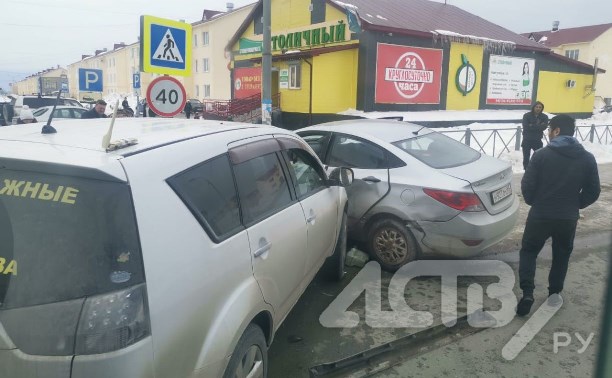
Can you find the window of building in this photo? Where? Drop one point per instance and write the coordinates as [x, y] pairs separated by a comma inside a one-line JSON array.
[[204, 38], [207, 90], [572, 54], [195, 40], [196, 66], [258, 21], [197, 91], [317, 11], [205, 65], [295, 76]]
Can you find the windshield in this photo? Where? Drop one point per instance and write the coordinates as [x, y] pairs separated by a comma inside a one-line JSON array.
[[64, 238], [438, 151]]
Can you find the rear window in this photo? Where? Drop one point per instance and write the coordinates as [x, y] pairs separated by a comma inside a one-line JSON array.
[[438, 151], [64, 238], [35, 102]]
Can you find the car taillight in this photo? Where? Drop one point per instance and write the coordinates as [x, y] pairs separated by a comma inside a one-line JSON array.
[[456, 200], [113, 321]]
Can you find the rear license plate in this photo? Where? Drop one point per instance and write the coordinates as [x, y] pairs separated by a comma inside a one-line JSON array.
[[501, 193]]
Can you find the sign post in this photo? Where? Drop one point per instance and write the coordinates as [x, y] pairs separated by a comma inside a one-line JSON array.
[[166, 96]]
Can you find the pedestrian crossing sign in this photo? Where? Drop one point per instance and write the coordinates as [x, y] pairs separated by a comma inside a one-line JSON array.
[[165, 46]]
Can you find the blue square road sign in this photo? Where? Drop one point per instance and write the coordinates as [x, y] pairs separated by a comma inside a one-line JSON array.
[[90, 80]]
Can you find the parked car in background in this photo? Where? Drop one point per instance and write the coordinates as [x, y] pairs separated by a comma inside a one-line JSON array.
[[176, 251], [196, 105], [417, 191], [35, 102], [61, 112]]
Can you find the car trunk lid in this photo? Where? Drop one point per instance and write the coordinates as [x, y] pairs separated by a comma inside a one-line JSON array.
[[490, 179]]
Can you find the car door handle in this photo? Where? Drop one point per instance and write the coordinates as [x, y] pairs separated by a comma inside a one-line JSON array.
[[260, 251], [311, 218], [371, 179]]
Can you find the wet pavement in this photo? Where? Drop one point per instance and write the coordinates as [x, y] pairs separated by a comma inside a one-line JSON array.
[[302, 342]]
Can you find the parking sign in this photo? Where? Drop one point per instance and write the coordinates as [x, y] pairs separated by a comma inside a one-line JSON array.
[[90, 80], [136, 80]]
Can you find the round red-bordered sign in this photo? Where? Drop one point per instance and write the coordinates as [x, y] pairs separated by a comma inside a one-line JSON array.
[[166, 96]]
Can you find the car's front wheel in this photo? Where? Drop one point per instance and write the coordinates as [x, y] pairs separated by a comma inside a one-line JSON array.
[[391, 244], [250, 358]]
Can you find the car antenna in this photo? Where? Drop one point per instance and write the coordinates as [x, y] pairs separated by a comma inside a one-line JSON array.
[[106, 138], [48, 129], [418, 131]]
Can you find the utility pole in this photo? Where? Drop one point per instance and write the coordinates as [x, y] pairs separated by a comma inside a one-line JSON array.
[[266, 66]]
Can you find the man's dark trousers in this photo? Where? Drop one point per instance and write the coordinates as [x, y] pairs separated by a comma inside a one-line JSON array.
[[528, 146], [537, 231]]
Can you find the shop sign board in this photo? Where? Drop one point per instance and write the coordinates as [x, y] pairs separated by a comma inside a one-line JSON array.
[[408, 75], [510, 80]]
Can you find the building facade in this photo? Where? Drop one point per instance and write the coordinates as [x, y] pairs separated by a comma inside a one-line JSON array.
[[46, 82], [586, 44], [330, 56], [210, 76]]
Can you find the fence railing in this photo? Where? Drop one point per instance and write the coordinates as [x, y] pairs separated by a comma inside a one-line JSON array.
[[495, 142]]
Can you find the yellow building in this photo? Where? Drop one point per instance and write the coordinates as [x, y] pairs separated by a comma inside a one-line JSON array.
[[398, 55], [46, 82], [586, 44]]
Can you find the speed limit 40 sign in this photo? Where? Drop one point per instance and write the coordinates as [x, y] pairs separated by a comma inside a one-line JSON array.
[[166, 96]]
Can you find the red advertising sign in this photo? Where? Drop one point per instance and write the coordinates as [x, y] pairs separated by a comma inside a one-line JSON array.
[[247, 82], [408, 75]]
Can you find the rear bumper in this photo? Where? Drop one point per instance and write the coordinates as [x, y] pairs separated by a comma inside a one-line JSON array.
[[133, 361], [445, 238]]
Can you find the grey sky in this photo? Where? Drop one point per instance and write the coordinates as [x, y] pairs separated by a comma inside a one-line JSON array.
[[39, 34]]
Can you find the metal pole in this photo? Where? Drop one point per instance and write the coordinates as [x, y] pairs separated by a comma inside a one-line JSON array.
[[266, 66], [517, 138]]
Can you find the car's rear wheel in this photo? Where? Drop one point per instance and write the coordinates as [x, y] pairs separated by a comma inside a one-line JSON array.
[[391, 244], [250, 358]]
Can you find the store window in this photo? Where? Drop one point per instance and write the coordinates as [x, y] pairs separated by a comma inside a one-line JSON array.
[[295, 76]]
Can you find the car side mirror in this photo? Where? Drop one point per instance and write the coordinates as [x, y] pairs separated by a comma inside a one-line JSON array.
[[341, 177]]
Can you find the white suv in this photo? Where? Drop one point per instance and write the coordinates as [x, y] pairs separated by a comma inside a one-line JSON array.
[[178, 256]]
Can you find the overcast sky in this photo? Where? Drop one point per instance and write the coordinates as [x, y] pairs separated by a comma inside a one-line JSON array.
[[39, 34]]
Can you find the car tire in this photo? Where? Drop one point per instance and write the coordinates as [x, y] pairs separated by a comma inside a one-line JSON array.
[[250, 355], [334, 265], [391, 244]]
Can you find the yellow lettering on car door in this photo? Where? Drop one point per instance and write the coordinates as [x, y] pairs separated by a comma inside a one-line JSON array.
[[10, 269]]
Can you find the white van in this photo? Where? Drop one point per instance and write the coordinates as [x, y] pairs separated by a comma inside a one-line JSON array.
[[176, 256]]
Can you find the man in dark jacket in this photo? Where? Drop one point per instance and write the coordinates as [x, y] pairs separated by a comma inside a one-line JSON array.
[[534, 123], [188, 109], [96, 112], [561, 179]]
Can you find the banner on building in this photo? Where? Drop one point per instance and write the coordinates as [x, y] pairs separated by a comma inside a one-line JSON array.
[[247, 82], [408, 75], [510, 80]]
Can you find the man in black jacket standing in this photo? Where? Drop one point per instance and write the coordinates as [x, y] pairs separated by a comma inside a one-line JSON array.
[[534, 123], [561, 179]]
